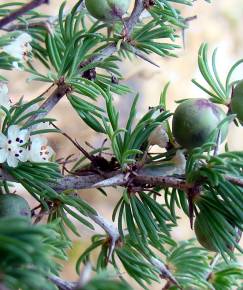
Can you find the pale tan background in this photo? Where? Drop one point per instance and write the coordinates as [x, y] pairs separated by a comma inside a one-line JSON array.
[[219, 24]]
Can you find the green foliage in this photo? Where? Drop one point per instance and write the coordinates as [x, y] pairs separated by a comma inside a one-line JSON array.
[[192, 267], [218, 92], [104, 281], [148, 222], [28, 252], [84, 56], [128, 142], [226, 276], [189, 264]]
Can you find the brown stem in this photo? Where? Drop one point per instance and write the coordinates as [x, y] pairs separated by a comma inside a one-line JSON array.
[[116, 178], [166, 181], [14, 15], [134, 18], [2, 287], [40, 24], [61, 90], [164, 271], [213, 263], [111, 48], [62, 284]]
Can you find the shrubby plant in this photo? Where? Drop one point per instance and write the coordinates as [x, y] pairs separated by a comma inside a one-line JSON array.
[[80, 50]]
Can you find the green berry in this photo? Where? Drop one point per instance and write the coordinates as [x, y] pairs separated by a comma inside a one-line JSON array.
[[194, 120], [203, 234], [237, 101], [107, 10], [12, 205]]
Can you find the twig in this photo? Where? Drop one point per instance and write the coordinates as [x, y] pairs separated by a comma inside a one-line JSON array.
[[103, 54], [85, 276], [63, 88], [164, 271], [113, 233], [13, 16], [235, 180], [51, 101], [110, 229], [115, 178], [134, 18], [166, 181], [111, 48], [62, 284], [213, 263], [43, 24], [47, 24], [2, 287]]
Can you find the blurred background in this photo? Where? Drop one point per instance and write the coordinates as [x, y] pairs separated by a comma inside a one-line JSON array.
[[219, 24]]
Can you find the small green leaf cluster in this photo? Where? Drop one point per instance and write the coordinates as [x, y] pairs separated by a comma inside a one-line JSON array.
[[127, 143], [29, 253], [78, 58], [189, 264]]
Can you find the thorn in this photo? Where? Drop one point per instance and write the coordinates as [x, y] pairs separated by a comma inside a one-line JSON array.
[[115, 180], [186, 20], [144, 57]]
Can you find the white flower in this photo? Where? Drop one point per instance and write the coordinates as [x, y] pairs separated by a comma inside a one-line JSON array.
[[39, 150], [4, 97], [16, 66], [3, 88], [19, 48], [180, 162], [159, 137], [10, 146]]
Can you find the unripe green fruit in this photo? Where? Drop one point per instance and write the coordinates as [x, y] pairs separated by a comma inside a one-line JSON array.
[[237, 101], [107, 10], [194, 120], [12, 205], [203, 235]]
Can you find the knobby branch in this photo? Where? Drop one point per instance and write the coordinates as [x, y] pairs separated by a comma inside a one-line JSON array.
[[19, 12]]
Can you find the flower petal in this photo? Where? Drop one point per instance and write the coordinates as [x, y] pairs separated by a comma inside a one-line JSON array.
[[23, 155], [23, 38], [159, 137], [42, 126], [16, 66], [13, 132], [3, 88], [12, 160], [14, 51], [48, 153], [37, 142], [3, 155], [5, 101], [3, 140], [180, 162], [24, 135], [35, 157]]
